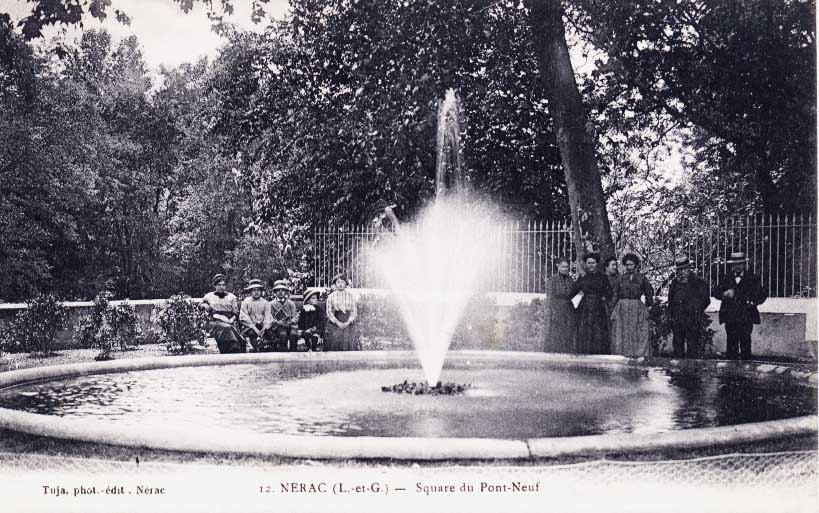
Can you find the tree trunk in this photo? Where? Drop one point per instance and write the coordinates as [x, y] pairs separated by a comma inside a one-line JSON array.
[[577, 153]]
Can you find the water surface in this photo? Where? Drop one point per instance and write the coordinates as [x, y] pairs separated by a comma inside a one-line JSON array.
[[345, 399]]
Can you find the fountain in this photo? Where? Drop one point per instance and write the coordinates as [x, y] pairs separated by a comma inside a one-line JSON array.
[[434, 266], [516, 405]]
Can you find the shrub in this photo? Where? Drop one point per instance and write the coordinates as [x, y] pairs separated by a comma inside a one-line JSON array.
[[34, 328], [108, 325], [179, 323], [478, 327], [659, 326], [525, 327], [104, 336], [126, 326], [379, 319]]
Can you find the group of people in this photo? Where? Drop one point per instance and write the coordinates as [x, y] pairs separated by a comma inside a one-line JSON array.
[[259, 325], [612, 316]]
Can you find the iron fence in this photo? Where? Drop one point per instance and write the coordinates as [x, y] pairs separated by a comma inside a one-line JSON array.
[[781, 250]]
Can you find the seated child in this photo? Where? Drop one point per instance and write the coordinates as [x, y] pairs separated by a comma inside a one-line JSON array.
[[255, 317], [312, 319], [285, 318]]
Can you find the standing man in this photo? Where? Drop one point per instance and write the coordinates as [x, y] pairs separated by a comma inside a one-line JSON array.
[[285, 317], [740, 291], [687, 300]]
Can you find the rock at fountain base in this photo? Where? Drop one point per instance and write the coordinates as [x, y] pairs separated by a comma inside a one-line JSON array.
[[423, 388]]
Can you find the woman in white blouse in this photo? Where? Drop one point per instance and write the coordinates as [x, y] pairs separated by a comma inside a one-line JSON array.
[[341, 314]]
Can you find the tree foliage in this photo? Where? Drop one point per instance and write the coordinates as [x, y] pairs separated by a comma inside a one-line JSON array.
[[343, 119], [740, 76], [72, 12], [113, 179]]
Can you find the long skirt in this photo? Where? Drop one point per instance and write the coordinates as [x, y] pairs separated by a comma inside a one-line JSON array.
[[592, 325], [560, 327], [227, 337], [340, 339], [629, 328]]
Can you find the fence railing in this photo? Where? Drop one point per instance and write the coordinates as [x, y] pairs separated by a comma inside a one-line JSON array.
[[781, 250]]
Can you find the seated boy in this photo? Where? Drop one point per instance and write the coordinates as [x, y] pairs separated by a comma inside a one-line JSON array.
[[285, 318], [312, 319], [255, 316]]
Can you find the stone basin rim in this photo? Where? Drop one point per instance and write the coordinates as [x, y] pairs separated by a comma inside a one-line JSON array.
[[215, 441]]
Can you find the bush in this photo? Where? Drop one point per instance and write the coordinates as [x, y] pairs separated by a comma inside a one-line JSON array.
[[108, 325], [660, 330], [34, 328], [525, 327], [126, 326], [478, 327], [379, 319], [179, 324]]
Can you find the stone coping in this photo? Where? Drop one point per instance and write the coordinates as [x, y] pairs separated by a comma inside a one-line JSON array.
[[209, 440]]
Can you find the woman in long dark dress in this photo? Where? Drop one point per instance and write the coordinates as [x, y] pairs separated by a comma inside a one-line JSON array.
[[560, 316], [592, 312]]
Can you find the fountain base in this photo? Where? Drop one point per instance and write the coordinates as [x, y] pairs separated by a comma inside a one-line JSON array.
[[423, 388]]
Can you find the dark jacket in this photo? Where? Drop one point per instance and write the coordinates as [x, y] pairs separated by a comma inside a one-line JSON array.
[[687, 301], [748, 293], [632, 286], [592, 284], [313, 319]]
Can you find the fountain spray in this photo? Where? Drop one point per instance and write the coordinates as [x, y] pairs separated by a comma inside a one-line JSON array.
[[434, 265]]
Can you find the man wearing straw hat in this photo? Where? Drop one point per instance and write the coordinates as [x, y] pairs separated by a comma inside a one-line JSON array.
[[688, 298], [285, 317], [739, 291], [255, 316]]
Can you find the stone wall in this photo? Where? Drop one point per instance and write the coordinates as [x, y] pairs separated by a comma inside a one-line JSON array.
[[76, 311], [511, 322]]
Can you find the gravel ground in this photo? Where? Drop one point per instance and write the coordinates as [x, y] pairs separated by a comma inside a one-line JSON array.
[[14, 361]]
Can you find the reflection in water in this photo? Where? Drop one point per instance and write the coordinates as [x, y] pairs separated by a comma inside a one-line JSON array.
[[344, 399]]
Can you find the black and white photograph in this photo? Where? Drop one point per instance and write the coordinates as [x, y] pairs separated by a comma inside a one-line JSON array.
[[408, 255]]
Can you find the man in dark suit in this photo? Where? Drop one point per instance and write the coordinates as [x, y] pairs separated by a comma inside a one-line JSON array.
[[740, 292], [688, 298]]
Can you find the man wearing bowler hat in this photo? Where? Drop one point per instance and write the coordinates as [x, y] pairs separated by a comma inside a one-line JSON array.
[[285, 317], [740, 291], [688, 298]]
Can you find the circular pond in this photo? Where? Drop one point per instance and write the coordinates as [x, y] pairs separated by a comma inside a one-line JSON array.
[[329, 396]]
